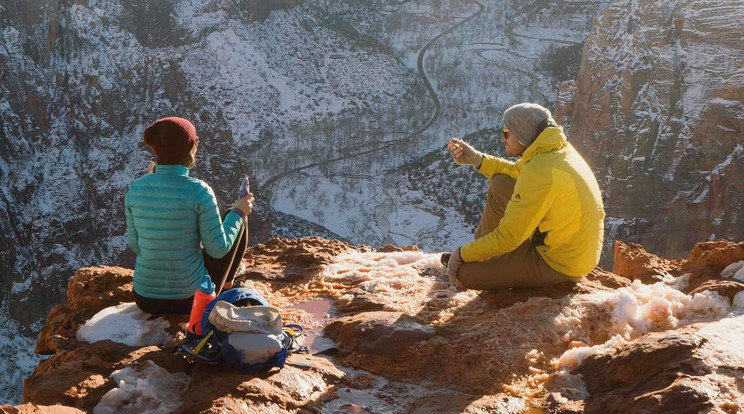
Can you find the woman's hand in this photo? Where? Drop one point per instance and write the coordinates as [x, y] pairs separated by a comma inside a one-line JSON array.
[[463, 153], [245, 204]]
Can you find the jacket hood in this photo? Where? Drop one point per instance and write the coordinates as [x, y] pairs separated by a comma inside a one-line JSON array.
[[551, 139]]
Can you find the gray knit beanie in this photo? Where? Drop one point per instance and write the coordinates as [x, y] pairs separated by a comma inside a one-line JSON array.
[[526, 121]]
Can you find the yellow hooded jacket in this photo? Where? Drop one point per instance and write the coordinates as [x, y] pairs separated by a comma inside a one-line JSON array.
[[556, 193]]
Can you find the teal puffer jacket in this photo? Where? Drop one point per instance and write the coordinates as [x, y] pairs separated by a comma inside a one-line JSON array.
[[169, 216]]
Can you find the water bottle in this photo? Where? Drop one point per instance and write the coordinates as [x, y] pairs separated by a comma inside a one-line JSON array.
[[203, 295]]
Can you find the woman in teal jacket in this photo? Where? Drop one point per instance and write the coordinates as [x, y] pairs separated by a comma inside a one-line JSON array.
[[174, 225]]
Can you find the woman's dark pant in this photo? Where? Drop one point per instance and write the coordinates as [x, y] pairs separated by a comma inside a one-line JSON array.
[[221, 271], [164, 306]]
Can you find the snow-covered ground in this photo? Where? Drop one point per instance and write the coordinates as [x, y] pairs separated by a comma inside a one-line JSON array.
[[17, 359]]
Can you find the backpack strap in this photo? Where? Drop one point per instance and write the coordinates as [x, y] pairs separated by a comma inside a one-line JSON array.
[[292, 333], [205, 349]]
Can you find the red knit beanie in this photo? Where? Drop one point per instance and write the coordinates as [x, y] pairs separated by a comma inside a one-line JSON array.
[[171, 139]]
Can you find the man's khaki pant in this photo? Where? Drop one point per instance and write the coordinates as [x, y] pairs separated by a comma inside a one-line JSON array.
[[520, 268]]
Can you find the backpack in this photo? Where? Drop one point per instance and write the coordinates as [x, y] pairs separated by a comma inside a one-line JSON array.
[[242, 329]]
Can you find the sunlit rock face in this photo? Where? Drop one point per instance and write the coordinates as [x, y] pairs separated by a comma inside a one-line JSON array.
[[634, 262], [39, 409], [689, 370], [658, 115], [396, 332]]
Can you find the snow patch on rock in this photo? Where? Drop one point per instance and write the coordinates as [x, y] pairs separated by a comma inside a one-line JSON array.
[[125, 324], [738, 302], [149, 390], [18, 360], [734, 270], [639, 309], [382, 271]]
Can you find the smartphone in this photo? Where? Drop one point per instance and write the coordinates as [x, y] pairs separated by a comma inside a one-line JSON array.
[[245, 187]]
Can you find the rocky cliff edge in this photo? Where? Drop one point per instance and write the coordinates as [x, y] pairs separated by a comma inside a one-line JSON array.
[[395, 336]]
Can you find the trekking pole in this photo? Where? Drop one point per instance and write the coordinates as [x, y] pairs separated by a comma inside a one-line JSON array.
[[203, 342]]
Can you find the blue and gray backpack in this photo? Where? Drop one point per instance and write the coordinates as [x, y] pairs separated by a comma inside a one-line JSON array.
[[242, 329]]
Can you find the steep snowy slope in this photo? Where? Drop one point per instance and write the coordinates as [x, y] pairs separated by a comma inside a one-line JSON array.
[[658, 113]]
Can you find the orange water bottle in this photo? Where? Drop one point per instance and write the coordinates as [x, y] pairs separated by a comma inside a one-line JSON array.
[[203, 295]]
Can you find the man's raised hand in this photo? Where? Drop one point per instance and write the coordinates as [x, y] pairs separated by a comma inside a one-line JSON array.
[[463, 153]]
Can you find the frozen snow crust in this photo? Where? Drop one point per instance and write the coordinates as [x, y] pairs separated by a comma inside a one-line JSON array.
[[125, 324], [149, 390], [639, 309]]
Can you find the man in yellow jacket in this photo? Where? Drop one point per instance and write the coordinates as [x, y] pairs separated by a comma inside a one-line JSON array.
[[543, 220]]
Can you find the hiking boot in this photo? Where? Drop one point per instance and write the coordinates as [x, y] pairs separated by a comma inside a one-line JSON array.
[[445, 259]]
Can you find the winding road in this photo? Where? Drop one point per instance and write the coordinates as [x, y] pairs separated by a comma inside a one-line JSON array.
[[265, 188], [545, 39], [534, 81]]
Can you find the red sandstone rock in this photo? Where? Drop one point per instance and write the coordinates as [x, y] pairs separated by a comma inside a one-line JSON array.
[[726, 288], [290, 260], [293, 389], [716, 254], [88, 291], [704, 265], [599, 279], [493, 341], [632, 261], [470, 348], [38, 409], [381, 333], [308, 251], [708, 259], [393, 248], [76, 378], [669, 372], [466, 404]]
